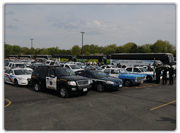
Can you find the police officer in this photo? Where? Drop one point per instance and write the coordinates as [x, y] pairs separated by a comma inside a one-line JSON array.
[[164, 75], [158, 74], [171, 74]]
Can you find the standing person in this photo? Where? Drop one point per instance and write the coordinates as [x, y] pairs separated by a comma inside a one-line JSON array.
[[158, 74], [149, 68], [164, 75], [171, 74]]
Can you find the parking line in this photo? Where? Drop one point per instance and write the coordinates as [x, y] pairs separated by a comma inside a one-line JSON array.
[[8, 103], [163, 105]]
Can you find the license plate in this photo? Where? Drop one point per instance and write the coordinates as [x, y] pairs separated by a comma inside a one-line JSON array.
[[85, 89], [120, 85]]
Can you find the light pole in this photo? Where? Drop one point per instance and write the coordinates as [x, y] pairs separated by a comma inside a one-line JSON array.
[[82, 44], [31, 42]]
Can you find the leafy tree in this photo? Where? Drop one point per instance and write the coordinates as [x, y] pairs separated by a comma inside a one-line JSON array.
[[16, 49], [134, 49], [87, 53], [76, 50], [126, 47], [7, 50], [24, 50]]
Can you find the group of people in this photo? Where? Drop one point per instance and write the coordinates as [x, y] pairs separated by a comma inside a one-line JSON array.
[[164, 70]]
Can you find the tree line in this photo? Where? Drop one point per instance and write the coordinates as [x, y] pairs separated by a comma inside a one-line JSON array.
[[158, 47]]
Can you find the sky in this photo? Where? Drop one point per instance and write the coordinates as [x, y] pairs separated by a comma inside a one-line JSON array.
[[52, 25]]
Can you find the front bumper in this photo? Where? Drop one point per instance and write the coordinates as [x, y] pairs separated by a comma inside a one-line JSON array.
[[24, 82], [113, 86], [79, 89]]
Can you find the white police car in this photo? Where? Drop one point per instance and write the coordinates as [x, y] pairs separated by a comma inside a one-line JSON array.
[[17, 76]]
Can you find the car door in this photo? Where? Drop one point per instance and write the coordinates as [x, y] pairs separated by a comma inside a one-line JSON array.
[[51, 80], [42, 77], [6, 76], [114, 74], [129, 69]]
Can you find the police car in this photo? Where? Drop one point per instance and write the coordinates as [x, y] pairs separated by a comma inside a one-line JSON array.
[[128, 79], [17, 76], [150, 75]]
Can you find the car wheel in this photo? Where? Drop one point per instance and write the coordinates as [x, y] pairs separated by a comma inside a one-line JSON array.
[[149, 78], [100, 87], [37, 87], [127, 83], [16, 83], [63, 92]]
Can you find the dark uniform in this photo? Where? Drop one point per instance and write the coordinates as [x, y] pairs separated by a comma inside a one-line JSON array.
[[158, 74], [164, 75], [171, 72]]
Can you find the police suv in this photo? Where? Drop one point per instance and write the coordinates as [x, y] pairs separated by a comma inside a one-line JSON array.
[[61, 79]]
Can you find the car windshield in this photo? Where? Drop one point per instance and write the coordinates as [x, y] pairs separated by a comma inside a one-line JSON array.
[[98, 68], [21, 72], [123, 71], [74, 66], [20, 65], [52, 63], [64, 72], [99, 74], [7, 63], [47, 62], [142, 69]]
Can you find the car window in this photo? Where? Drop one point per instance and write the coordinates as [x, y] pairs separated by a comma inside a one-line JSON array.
[[136, 70], [22, 72], [67, 66], [50, 72], [107, 71], [129, 69], [7, 71], [43, 73]]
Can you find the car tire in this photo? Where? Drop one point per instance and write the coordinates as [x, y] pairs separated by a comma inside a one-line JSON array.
[[16, 83], [37, 87], [100, 87], [127, 83], [63, 92]]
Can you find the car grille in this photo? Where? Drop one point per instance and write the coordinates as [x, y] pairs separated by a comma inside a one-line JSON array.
[[82, 82]]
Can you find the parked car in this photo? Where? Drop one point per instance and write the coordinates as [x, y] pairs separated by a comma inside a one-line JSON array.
[[72, 67], [17, 76], [60, 79], [101, 81], [18, 65], [150, 75], [128, 79]]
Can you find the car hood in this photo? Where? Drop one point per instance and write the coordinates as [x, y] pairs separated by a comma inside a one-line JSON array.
[[111, 79], [73, 77], [23, 76]]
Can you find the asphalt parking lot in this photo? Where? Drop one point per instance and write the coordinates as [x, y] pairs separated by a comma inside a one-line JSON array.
[[149, 106]]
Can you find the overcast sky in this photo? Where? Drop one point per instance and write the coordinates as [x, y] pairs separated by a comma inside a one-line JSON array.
[[103, 24]]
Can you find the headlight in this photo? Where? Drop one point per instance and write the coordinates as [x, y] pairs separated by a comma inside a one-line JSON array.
[[109, 82], [136, 79], [73, 83], [90, 81], [22, 79]]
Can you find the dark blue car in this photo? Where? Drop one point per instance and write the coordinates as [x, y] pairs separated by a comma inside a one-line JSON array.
[[100, 80]]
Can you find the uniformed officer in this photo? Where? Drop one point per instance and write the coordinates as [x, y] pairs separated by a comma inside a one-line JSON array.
[[171, 74], [164, 75], [158, 74]]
